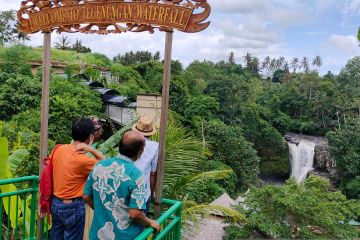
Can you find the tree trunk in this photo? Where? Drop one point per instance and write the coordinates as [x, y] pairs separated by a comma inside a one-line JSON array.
[[203, 135]]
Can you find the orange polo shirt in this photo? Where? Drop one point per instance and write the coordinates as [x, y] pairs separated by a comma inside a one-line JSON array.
[[70, 172]]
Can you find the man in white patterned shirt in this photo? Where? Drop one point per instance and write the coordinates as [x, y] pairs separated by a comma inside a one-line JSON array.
[[147, 163]]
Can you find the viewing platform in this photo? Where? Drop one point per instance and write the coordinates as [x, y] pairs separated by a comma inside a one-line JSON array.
[[18, 213]]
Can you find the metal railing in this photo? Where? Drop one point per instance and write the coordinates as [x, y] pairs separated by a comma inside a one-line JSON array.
[[18, 213], [18, 204], [170, 221]]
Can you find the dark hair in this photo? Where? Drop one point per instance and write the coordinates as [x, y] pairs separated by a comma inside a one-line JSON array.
[[132, 149], [82, 129]]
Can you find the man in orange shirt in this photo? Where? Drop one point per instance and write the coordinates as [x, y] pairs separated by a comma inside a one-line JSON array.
[[71, 168]]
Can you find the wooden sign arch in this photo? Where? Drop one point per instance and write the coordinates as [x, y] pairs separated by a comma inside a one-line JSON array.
[[103, 17]]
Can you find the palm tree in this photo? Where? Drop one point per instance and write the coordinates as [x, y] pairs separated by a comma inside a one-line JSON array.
[[305, 64], [255, 63], [232, 58], [317, 62], [281, 62], [63, 43], [248, 60], [294, 64], [286, 67], [266, 63]]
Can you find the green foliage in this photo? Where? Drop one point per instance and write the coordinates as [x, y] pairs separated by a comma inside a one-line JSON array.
[[151, 73], [92, 73], [79, 47], [352, 188], [306, 211], [15, 60], [15, 207], [345, 149], [137, 57], [8, 30], [183, 154], [64, 108], [228, 145], [179, 94], [18, 93], [202, 106], [22, 138]]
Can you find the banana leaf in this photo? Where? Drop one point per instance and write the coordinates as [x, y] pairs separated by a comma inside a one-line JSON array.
[[14, 206], [16, 158]]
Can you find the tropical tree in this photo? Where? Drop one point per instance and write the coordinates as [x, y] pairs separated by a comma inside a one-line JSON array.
[[345, 149], [79, 47], [305, 64], [297, 211], [232, 58], [63, 43], [317, 62], [8, 30], [266, 63], [281, 62], [247, 61], [294, 64]]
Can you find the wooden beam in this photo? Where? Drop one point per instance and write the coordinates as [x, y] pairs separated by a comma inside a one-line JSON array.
[[44, 111], [163, 122]]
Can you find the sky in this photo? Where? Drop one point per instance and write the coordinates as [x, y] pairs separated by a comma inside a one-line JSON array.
[[289, 28]]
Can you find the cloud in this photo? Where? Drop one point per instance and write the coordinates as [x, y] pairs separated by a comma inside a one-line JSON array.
[[348, 43], [351, 8], [251, 35], [240, 6]]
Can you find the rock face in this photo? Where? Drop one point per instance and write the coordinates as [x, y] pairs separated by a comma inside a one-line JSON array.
[[324, 165]]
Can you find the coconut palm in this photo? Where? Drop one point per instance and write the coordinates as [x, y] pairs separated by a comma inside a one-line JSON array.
[[266, 63], [63, 43], [294, 64], [248, 60], [305, 64], [281, 61], [255, 63], [317, 62]]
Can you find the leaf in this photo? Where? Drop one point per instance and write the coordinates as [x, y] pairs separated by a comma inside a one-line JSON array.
[[16, 158], [4, 154], [11, 204], [111, 143]]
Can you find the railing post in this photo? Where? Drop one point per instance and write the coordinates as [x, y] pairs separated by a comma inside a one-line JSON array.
[[179, 225], [33, 208]]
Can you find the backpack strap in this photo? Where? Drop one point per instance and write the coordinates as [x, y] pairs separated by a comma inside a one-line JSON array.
[[53, 152]]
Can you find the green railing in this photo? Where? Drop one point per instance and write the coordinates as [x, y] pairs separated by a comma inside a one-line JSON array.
[[18, 213], [170, 222], [18, 208]]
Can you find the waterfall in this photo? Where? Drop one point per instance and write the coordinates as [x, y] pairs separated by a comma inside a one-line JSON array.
[[301, 158]]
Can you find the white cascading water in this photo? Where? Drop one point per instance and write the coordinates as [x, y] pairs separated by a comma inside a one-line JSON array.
[[302, 159]]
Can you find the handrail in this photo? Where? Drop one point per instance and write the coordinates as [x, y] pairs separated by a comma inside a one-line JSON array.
[[22, 204], [18, 180], [171, 225]]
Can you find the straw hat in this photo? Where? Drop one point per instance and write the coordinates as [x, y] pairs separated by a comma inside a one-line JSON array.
[[145, 125]]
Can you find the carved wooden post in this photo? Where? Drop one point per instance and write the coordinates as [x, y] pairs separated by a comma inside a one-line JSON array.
[[163, 121], [44, 111]]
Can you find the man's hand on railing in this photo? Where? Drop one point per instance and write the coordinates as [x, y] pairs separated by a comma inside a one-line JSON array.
[[154, 224]]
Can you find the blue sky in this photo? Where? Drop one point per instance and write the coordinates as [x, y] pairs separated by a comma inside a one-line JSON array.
[[289, 28]]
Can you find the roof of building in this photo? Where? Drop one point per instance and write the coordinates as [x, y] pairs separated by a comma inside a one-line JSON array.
[[91, 84], [120, 101], [107, 91], [224, 200]]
